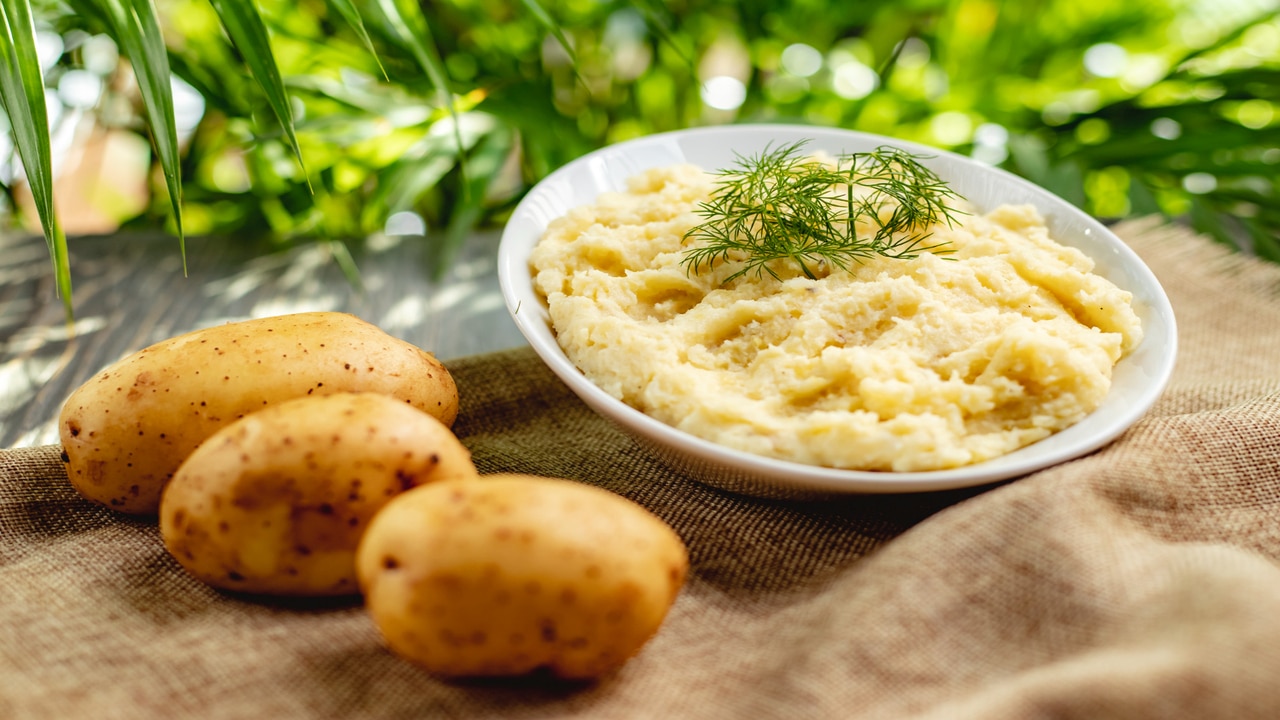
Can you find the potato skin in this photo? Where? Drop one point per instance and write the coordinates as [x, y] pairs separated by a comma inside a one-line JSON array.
[[513, 573], [277, 501], [126, 430]]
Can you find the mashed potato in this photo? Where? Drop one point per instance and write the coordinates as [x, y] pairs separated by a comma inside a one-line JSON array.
[[902, 365]]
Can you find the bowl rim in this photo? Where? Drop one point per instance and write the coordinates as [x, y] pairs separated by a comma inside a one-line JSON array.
[[515, 281]]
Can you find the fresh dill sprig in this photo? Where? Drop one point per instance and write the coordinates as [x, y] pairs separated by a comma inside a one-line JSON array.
[[781, 205]]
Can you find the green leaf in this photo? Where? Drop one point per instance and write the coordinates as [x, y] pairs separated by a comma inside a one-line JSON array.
[[249, 34], [542, 16], [408, 25], [402, 184], [341, 254], [135, 26], [1227, 38], [1142, 201], [487, 162], [656, 15], [348, 11], [1208, 222], [22, 93]]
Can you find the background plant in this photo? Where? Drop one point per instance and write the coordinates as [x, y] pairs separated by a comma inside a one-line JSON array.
[[391, 116]]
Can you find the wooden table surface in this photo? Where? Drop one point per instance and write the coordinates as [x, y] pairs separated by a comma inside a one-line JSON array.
[[130, 292]]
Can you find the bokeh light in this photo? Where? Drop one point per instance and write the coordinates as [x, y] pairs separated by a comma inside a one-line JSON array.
[[951, 127], [1106, 60], [1199, 183], [723, 92], [405, 223], [801, 60], [1166, 128], [852, 80]]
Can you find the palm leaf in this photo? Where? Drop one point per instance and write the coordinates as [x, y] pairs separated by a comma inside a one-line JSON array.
[[408, 27], [403, 183], [487, 162], [407, 24], [656, 14], [1225, 39], [549, 24], [249, 34], [348, 11], [22, 93], [135, 26]]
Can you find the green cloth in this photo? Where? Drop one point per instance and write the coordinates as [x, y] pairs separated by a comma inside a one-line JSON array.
[[1138, 582]]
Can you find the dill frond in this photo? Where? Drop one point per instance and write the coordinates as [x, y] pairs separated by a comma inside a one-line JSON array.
[[782, 205]]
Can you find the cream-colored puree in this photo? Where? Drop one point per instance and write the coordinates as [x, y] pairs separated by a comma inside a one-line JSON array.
[[920, 364]]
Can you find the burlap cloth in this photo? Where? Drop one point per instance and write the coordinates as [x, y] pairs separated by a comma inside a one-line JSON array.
[[1139, 582]]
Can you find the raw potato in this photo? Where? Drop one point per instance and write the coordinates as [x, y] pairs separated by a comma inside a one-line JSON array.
[[125, 431], [512, 573], [277, 501]]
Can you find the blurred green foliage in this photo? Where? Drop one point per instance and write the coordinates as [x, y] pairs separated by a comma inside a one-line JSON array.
[[1151, 106]]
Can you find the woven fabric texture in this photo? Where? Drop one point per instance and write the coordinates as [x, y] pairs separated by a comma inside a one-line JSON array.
[[1141, 581]]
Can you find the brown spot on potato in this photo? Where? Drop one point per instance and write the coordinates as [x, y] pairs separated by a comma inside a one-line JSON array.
[[235, 576], [446, 581], [73, 427], [65, 457], [547, 630], [389, 562]]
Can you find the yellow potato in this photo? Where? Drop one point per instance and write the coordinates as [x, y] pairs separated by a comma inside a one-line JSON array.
[[512, 573], [276, 502], [126, 430]]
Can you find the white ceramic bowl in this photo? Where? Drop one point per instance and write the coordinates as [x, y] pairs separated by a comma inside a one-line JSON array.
[[1139, 378]]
